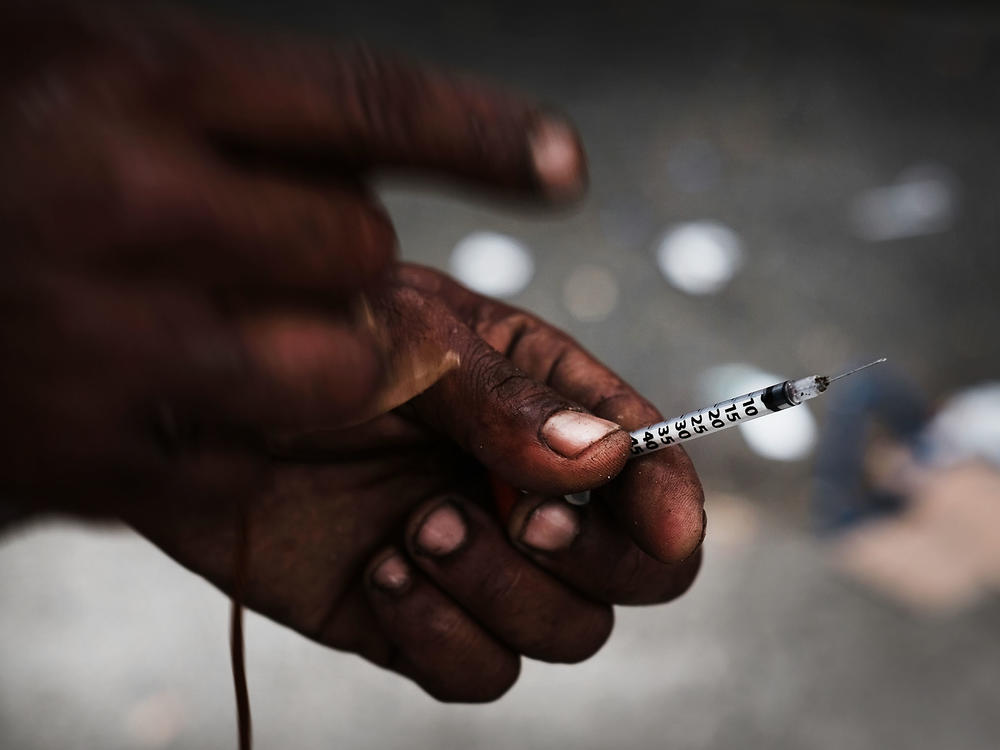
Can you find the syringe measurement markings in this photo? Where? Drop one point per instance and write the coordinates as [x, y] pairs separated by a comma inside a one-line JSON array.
[[697, 423], [733, 411]]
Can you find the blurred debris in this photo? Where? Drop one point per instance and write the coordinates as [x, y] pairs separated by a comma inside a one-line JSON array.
[[922, 200], [155, 721], [967, 427], [734, 521], [914, 499], [492, 263], [788, 435], [941, 555], [699, 257], [590, 293]]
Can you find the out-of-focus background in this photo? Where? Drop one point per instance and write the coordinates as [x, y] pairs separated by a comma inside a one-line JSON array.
[[777, 190]]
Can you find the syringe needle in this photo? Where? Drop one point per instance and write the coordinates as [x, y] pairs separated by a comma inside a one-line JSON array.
[[726, 414], [733, 411], [856, 369]]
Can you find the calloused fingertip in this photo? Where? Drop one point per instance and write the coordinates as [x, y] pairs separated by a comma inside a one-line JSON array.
[[683, 532]]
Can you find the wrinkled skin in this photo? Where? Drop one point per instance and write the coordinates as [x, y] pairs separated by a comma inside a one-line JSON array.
[[342, 501], [203, 324]]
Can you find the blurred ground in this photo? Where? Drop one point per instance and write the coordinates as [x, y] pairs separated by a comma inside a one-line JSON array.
[[109, 645], [800, 110]]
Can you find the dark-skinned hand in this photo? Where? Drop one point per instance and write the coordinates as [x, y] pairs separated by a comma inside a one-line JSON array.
[[382, 538], [186, 235], [196, 280]]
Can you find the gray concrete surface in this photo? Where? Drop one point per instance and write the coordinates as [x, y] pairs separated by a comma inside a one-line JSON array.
[[104, 643], [107, 644]]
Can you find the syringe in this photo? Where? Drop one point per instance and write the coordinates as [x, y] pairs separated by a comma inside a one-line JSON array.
[[733, 411]]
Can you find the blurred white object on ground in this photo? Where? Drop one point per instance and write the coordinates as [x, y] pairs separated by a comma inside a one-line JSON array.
[[967, 427], [590, 293], [699, 257], [492, 263], [788, 435], [923, 200]]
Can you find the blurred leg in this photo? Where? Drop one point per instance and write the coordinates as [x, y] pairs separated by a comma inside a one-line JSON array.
[[841, 497]]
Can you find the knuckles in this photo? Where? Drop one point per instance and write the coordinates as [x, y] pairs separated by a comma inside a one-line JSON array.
[[502, 385], [446, 628]]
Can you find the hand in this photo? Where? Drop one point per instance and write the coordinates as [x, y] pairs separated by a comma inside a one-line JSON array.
[[382, 538], [187, 236]]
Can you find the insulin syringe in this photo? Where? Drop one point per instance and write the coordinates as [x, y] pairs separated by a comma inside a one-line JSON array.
[[733, 411]]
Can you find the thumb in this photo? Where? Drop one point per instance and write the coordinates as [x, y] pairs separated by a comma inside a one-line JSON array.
[[520, 429]]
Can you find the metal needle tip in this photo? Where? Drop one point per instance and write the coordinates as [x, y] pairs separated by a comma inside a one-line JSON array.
[[856, 369]]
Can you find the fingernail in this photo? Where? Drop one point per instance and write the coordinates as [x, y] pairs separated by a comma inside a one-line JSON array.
[[570, 433], [552, 526], [392, 574], [442, 531], [556, 155]]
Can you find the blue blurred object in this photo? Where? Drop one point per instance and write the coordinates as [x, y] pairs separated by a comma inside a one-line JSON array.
[[841, 497]]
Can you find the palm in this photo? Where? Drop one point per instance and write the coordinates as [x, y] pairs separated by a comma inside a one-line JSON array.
[[314, 529]]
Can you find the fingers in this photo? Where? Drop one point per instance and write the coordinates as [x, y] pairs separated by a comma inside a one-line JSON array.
[[524, 431], [586, 548], [459, 547], [520, 429], [305, 371], [436, 643], [283, 371], [367, 110], [158, 205], [658, 498], [185, 213], [265, 372], [155, 346]]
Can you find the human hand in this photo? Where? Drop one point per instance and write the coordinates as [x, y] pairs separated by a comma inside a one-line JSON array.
[[381, 539], [187, 233]]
